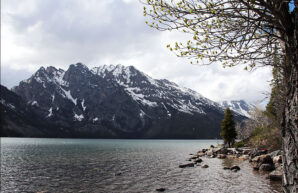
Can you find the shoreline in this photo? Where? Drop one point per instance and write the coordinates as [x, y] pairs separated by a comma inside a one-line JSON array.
[[260, 160]]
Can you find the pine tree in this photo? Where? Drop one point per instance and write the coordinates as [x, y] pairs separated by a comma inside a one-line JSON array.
[[228, 131]]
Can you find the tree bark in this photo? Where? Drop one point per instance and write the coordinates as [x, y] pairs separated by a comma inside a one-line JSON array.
[[290, 138], [290, 116]]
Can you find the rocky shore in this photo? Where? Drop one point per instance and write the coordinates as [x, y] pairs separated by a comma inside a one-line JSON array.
[[260, 160]]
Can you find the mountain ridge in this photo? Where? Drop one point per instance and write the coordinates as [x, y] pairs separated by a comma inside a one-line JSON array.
[[119, 102]]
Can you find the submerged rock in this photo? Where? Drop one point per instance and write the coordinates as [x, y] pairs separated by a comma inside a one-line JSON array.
[[235, 167], [194, 157], [160, 189], [186, 165], [199, 160]]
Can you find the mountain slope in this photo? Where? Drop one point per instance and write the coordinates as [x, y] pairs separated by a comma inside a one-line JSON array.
[[119, 102], [19, 119]]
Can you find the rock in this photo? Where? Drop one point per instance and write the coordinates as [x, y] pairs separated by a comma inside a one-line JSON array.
[[204, 166], [276, 175], [275, 153], [199, 160], [212, 156], [277, 159], [235, 167], [221, 156], [186, 165], [118, 174], [190, 154], [244, 157], [226, 168], [256, 152], [160, 189], [201, 154], [209, 153], [232, 151], [246, 151], [211, 146], [255, 165], [231, 156], [194, 157], [234, 170], [266, 167], [263, 159], [222, 151]]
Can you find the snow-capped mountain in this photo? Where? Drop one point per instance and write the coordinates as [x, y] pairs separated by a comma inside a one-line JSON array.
[[150, 92], [239, 106], [119, 101]]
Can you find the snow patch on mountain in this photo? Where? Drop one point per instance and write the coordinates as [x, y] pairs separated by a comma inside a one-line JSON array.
[[34, 103], [78, 117], [83, 104], [3, 102], [50, 112], [68, 95], [239, 106]]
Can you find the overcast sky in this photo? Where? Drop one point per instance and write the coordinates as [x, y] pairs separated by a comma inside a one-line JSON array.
[[58, 33]]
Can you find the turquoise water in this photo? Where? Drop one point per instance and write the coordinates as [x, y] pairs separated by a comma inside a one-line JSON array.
[[104, 165]]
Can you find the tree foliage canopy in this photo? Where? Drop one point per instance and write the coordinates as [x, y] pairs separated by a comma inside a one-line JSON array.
[[228, 131], [230, 31]]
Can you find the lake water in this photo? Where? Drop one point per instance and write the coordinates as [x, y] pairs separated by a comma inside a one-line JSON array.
[[100, 165]]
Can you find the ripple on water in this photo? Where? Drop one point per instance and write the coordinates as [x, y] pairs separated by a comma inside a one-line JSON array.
[[77, 165]]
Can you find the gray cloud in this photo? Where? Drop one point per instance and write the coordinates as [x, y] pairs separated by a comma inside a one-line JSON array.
[[61, 32]]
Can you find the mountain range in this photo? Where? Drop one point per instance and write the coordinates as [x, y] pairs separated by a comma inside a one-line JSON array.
[[110, 101]]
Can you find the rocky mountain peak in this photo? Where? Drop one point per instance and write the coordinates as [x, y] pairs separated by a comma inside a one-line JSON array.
[[117, 100]]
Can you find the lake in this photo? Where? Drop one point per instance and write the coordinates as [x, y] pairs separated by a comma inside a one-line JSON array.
[[112, 165]]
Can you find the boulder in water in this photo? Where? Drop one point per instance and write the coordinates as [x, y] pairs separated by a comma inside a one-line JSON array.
[[235, 167], [186, 165], [160, 189]]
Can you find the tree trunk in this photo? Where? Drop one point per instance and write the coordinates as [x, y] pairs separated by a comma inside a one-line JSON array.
[[290, 137], [290, 116]]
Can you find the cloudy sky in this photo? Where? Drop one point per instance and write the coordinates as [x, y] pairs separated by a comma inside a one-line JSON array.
[[57, 33]]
